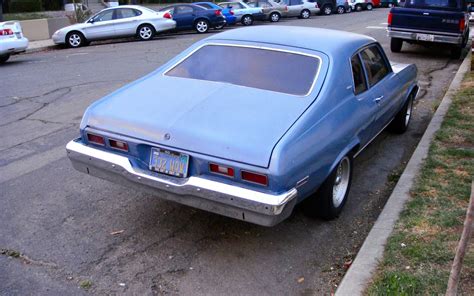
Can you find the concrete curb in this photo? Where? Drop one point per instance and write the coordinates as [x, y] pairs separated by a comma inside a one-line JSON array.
[[36, 49], [365, 264]]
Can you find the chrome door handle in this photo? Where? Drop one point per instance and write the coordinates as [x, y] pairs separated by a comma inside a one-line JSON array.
[[377, 100]]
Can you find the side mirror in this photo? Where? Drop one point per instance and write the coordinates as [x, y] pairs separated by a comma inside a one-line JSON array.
[[91, 21]]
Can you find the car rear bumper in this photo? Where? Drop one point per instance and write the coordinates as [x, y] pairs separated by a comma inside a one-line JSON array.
[[13, 45], [224, 199], [437, 37]]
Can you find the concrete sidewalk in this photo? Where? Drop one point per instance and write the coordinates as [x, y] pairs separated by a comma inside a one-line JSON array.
[[40, 45]]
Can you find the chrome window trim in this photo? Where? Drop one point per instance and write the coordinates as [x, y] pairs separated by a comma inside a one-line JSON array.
[[315, 79]]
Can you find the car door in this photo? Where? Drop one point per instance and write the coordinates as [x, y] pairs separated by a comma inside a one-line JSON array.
[[294, 7], [366, 106], [101, 26], [184, 16], [127, 20], [382, 83], [237, 8]]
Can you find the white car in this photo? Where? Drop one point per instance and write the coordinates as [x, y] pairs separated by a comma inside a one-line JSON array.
[[359, 5], [300, 8], [116, 22], [12, 40]]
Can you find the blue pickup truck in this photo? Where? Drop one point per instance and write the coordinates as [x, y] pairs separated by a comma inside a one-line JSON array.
[[430, 21]]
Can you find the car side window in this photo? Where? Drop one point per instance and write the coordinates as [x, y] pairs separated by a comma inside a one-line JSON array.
[[104, 16], [360, 84], [375, 65], [125, 13], [205, 5], [183, 10]]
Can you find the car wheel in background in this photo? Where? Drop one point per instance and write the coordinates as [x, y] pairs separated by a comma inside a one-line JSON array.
[[358, 7], [146, 32], [274, 17], [201, 26], [390, 5], [327, 9], [328, 201], [396, 44], [401, 121], [4, 58], [349, 10], [75, 39], [219, 27], [305, 14], [340, 10], [369, 6], [247, 20]]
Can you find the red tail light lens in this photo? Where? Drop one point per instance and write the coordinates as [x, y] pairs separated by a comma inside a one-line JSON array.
[[95, 139], [462, 25], [119, 145], [217, 12], [389, 19], [255, 178], [231, 12], [6, 32], [167, 15], [222, 170]]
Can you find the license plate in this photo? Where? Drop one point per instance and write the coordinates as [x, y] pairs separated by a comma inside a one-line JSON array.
[[18, 35], [425, 37], [169, 162]]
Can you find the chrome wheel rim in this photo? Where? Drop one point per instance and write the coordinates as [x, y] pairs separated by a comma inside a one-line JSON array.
[[275, 17], [145, 33], [201, 26], [305, 14], [247, 21], [340, 10], [74, 40], [408, 113], [327, 10], [359, 8], [369, 7], [390, 5], [341, 183]]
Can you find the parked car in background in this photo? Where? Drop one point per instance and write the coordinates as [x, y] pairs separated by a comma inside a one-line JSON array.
[[12, 40], [272, 10], [388, 3], [342, 6], [228, 13], [429, 22], [244, 13], [116, 22], [279, 127], [300, 8], [359, 5], [191, 16], [326, 7]]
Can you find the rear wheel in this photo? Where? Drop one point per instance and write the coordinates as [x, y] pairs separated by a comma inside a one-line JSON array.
[[401, 121], [340, 10], [247, 20], [201, 26], [327, 9], [305, 14], [358, 7], [4, 58], [274, 17], [75, 39], [145, 32], [396, 44], [331, 197], [369, 6]]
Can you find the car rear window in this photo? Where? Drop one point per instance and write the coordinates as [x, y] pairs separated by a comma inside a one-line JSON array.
[[435, 4], [267, 69]]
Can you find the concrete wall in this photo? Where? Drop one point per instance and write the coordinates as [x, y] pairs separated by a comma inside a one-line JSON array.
[[42, 29]]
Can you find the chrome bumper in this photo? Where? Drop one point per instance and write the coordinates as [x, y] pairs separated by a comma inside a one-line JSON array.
[[436, 37], [227, 200]]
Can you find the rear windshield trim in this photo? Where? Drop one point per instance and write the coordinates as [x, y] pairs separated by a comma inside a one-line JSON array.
[[315, 78]]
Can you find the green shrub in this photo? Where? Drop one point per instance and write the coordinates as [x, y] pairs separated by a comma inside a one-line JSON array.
[[25, 6]]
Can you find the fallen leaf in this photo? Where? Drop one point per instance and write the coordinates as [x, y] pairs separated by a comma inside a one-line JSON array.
[[300, 280], [117, 232]]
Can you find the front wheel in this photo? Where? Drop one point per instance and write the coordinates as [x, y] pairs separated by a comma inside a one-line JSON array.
[[327, 10], [396, 44], [4, 58], [247, 20], [145, 32], [274, 17], [305, 14], [331, 197], [75, 39], [400, 123], [358, 7], [340, 10], [201, 26], [369, 6]]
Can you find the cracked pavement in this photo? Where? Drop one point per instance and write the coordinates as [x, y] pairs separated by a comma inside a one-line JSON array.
[[60, 221]]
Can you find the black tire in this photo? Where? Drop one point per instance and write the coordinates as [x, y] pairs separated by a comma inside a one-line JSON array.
[[340, 9], [75, 39], [274, 17], [349, 9], [396, 44], [358, 7], [401, 121], [456, 52], [369, 6], [220, 27], [146, 32], [201, 26], [305, 14], [4, 58], [323, 204], [327, 9], [247, 20]]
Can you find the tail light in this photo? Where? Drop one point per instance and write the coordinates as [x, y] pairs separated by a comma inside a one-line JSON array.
[[119, 145], [462, 25], [6, 32], [217, 12], [221, 170], [255, 178], [231, 12], [167, 15], [389, 19], [316, 5], [286, 8], [95, 139]]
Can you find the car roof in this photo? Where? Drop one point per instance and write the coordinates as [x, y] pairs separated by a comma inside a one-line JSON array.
[[327, 41]]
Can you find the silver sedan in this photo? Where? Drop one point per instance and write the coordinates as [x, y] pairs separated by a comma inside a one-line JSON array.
[[116, 22]]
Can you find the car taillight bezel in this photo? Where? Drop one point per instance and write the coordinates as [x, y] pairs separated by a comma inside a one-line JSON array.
[[113, 143], [6, 32], [389, 18], [216, 169], [244, 173], [92, 138], [167, 15], [462, 25]]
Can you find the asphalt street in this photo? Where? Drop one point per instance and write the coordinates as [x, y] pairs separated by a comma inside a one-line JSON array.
[[74, 230]]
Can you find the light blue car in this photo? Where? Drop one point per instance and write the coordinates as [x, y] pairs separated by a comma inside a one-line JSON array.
[[250, 141]]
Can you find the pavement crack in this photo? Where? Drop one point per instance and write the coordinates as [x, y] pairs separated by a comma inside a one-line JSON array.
[[27, 260]]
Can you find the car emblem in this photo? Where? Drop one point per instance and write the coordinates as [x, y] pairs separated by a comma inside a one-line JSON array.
[[167, 136]]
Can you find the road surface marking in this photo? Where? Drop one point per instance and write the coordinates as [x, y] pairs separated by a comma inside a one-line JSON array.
[[376, 27]]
